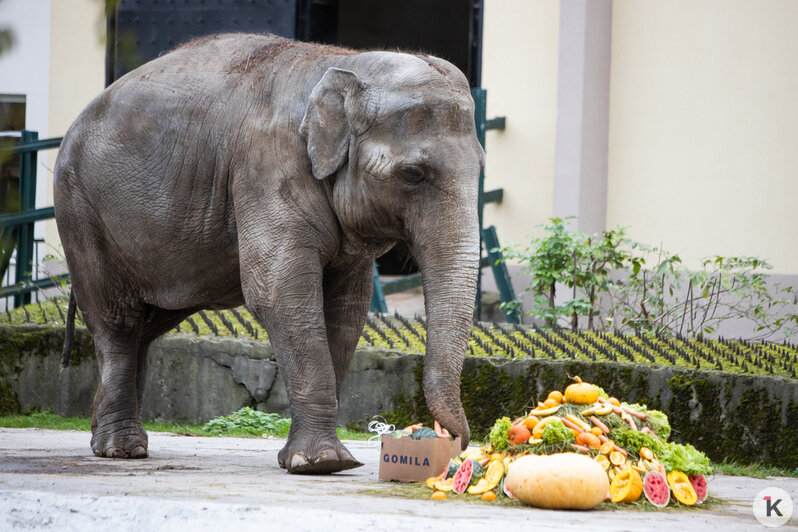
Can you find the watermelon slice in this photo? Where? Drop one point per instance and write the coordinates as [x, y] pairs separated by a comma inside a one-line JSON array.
[[463, 477], [656, 489], [699, 483], [505, 489]]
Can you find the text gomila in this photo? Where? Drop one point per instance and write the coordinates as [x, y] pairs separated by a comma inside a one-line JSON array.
[[404, 460]]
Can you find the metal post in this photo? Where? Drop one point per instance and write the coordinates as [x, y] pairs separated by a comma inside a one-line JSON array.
[[377, 295], [27, 202]]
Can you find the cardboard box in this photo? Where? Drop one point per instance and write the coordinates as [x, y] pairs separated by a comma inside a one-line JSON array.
[[410, 460]]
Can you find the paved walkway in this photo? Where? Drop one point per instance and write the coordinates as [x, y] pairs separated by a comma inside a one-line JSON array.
[[49, 480]]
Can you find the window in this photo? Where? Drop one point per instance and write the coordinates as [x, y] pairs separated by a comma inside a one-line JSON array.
[[12, 113]]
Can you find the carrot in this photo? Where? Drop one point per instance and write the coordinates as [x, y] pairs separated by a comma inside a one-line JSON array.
[[649, 431], [614, 446], [571, 425], [604, 428], [630, 420], [603, 439], [634, 413], [617, 410], [580, 447], [603, 400]]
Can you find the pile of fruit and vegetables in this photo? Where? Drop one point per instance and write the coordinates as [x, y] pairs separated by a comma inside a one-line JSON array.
[[577, 449]]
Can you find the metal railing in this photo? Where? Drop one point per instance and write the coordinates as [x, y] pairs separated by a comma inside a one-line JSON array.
[[19, 249]]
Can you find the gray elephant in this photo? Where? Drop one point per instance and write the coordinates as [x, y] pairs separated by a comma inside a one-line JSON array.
[[256, 170]]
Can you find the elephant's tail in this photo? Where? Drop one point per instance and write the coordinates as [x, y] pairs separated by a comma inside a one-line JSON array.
[[69, 336]]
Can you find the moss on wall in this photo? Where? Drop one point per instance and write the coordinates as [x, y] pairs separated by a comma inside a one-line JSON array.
[[739, 417], [19, 342]]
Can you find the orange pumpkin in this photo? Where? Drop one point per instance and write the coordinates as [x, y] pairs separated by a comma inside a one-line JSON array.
[[581, 393]]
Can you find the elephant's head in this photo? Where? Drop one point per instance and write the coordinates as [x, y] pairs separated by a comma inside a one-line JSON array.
[[396, 135]]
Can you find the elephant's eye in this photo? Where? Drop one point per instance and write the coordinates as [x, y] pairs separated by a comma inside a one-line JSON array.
[[411, 173]]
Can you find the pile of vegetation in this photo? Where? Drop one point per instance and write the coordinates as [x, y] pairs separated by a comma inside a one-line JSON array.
[[626, 446]]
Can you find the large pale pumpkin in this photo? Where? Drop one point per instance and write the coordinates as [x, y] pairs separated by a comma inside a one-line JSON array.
[[564, 480]]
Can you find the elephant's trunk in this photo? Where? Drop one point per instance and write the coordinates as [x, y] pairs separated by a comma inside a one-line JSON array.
[[449, 267]]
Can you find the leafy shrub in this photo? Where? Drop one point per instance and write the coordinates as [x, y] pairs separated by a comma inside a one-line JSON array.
[[249, 421], [626, 286]]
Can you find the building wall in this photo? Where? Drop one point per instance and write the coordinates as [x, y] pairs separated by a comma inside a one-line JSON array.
[[704, 125], [519, 72], [77, 71], [24, 69]]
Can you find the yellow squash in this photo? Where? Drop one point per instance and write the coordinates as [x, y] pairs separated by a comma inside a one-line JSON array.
[[491, 479]]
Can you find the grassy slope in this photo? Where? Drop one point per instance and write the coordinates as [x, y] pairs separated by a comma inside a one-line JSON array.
[[409, 335]]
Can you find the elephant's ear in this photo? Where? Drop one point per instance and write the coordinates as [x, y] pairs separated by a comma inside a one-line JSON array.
[[327, 124]]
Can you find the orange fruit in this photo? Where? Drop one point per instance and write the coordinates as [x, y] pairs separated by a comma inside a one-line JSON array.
[[556, 395], [603, 461], [548, 403], [614, 401], [646, 453], [488, 496], [597, 431], [530, 422], [588, 439], [617, 458], [606, 447], [496, 457], [519, 434], [438, 495]]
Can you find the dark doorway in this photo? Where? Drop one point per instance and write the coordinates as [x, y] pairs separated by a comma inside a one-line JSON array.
[[140, 30]]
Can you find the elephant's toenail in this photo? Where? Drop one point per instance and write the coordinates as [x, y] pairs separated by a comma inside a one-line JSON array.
[[327, 455], [115, 452], [298, 460], [138, 452]]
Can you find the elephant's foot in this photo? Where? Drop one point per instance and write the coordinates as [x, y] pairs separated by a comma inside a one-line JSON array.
[[315, 455], [120, 440]]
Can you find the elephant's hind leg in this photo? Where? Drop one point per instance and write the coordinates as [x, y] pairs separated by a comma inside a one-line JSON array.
[[116, 424]]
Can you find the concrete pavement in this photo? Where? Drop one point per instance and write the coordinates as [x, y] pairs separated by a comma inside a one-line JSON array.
[[49, 480]]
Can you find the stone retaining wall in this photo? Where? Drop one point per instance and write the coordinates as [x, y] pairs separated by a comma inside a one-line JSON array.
[[739, 417]]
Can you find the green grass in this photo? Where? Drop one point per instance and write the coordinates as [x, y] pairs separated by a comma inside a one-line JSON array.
[[409, 336], [753, 470], [48, 420]]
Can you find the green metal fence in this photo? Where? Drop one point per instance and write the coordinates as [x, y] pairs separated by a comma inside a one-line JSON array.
[[16, 228]]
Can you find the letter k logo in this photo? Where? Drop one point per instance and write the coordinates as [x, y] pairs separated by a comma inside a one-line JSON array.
[[772, 506]]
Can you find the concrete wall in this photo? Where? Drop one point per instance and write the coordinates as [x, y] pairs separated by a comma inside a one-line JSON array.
[[739, 417]]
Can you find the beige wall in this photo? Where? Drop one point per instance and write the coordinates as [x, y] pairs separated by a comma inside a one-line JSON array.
[[77, 70], [519, 72], [703, 150]]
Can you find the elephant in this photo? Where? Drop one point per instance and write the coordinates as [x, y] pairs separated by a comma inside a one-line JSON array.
[[247, 169]]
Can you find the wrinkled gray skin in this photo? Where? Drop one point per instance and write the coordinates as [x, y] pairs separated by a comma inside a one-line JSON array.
[[248, 169]]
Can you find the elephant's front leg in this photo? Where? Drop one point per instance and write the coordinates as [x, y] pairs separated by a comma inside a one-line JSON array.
[[347, 297], [287, 298]]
